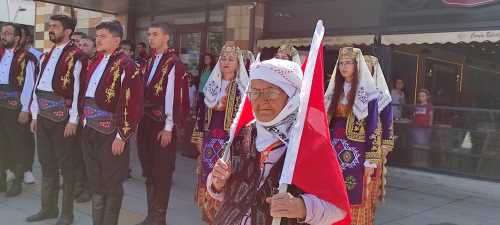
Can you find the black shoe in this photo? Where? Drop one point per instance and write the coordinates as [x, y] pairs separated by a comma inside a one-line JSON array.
[[43, 215], [49, 200], [66, 217]]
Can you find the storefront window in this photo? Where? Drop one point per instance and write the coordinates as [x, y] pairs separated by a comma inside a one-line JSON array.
[[405, 67], [190, 46], [215, 42], [465, 121]]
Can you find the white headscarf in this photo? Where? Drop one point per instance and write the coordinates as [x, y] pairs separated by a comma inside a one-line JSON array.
[[366, 90], [214, 89], [384, 94], [286, 75]]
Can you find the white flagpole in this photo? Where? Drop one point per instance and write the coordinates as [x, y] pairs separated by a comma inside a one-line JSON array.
[[305, 93]]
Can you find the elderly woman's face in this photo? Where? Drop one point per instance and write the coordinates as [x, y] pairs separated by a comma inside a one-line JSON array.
[[267, 100]]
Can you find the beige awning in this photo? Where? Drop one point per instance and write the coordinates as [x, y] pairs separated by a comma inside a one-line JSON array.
[[442, 38], [328, 41]]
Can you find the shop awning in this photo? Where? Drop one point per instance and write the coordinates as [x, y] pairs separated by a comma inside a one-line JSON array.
[[328, 41], [442, 38]]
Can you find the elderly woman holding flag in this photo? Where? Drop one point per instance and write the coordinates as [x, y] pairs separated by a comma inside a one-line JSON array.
[[247, 183]]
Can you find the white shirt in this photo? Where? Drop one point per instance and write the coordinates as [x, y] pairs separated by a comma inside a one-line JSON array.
[[45, 84], [169, 95], [96, 77], [155, 65], [29, 81], [5, 63]]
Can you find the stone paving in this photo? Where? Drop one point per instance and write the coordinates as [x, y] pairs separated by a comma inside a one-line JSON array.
[[413, 198]]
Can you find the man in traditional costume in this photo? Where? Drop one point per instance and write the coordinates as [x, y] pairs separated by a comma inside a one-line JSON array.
[[55, 119], [223, 92], [384, 132], [82, 193], [351, 99], [166, 106], [18, 70], [112, 94]]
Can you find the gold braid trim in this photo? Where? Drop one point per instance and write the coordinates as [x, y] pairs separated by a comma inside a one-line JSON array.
[[233, 103], [159, 85], [67, 77], [376, 152], [355, 130], [145, 69], [21, 61], [208, 118], [110, 91], [126, 125]]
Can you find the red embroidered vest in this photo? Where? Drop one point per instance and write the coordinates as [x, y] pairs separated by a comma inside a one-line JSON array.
[[63, 79], [122, 98]]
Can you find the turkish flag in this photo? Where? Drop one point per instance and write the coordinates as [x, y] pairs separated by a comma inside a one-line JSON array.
[[311, 163]]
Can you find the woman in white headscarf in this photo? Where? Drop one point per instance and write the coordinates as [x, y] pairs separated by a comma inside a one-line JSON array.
[[351, 100], [385, 130], [247, 185], [223, 91]]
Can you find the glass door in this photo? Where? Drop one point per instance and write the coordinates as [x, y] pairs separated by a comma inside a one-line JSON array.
[[190, 50]]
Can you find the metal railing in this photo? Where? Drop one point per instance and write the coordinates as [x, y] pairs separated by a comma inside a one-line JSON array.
[[461, 140]]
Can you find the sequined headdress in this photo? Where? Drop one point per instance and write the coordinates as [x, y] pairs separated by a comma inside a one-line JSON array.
[[349, 53], [290, 51], [371, 61], [230, 50]]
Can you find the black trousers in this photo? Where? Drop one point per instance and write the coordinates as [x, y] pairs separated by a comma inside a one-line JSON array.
[[105, 171], [16, 140], [55, 152]]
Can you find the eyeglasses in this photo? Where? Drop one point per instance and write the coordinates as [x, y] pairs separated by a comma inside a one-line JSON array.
[[346, 63], [268, 94]]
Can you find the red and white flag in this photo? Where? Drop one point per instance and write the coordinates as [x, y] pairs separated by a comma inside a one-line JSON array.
[[311, 163]]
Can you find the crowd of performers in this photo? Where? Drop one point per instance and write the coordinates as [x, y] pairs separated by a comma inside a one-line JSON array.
[[85, 99]]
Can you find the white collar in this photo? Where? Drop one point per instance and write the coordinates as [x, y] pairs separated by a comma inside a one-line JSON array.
[[62, 46]]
